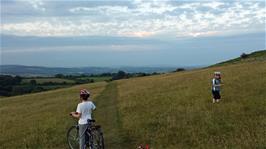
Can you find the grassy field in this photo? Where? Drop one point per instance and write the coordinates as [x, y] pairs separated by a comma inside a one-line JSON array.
[[40, 121], [97, 79], [169, 111], [43, 80], [60, 80], [176, 111]]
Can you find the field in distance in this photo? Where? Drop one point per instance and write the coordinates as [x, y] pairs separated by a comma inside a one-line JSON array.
[[45, 80]]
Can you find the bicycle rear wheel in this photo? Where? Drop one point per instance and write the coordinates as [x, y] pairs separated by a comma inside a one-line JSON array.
[[73, 137]]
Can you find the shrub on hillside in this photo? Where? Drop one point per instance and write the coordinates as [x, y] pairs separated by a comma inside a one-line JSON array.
[[6, 80], [120, 75], [19, 90], [179, 69], [33, 82], [244, 55], [59, 76]]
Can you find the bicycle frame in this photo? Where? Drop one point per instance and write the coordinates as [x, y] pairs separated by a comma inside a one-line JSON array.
[[90, 133]]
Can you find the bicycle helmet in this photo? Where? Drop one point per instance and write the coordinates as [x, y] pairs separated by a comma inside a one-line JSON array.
[[84, 92]]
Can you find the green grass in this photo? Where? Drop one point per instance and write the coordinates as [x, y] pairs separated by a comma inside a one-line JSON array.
[[40, 120], [60, 80], [176, 111], [167, 111], [109, 116], [43, 80], [96, 79]]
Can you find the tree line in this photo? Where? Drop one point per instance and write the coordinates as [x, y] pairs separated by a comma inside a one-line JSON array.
[[13, 85]]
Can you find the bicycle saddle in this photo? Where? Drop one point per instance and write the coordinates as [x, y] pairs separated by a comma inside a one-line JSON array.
[[91, 121]]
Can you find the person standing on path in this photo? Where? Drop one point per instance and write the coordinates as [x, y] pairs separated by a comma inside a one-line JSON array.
[[216, 87], [83, 113]]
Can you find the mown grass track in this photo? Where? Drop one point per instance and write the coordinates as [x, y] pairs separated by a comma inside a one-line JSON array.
[[109, 117]]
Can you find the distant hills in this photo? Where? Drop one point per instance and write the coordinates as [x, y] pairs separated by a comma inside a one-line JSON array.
[[50, 71], [22, 70]]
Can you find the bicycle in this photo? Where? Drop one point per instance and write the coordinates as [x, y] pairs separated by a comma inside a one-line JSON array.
[[93, 135]]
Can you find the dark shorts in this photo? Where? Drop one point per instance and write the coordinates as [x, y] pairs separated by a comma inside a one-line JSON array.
[[216, 94]]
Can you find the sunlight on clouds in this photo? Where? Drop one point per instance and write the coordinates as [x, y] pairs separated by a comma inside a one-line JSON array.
[[209, 33], [213, 5], [138, 34]]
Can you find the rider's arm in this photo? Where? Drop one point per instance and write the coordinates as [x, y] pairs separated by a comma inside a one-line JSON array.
[[76, 114]]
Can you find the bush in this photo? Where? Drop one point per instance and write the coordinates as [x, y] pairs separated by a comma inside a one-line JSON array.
[[244, 55], [59, 76], [179, 69], [38, 89], [33, 82], [18, 90], [6, 80], [120, 75]]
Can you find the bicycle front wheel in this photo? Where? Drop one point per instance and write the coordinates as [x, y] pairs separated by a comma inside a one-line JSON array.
[[73, 137], [98, 140]]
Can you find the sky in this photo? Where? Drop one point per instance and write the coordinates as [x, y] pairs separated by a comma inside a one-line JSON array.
[[106, 33]]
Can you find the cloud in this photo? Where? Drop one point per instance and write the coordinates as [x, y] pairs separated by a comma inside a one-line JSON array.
[[138, 34], [100, 9], [208, 33], [82, 48], [36, 4], [144, 19], [213, 5]]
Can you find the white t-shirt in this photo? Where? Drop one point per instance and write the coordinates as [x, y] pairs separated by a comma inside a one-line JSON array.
[[85, 108]]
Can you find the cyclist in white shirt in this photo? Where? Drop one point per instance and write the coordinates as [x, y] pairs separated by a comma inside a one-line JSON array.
[[83, 113]]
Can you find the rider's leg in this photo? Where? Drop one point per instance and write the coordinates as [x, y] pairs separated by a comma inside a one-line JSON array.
[[213, 95], [218, 96], [82, 141]]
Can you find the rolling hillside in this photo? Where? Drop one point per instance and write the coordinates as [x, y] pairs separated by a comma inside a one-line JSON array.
[[167, 111], [254, 56]]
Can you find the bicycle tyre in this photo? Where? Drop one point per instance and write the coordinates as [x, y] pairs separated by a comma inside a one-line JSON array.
[[98, 140], [101, 138], [73, 137]]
